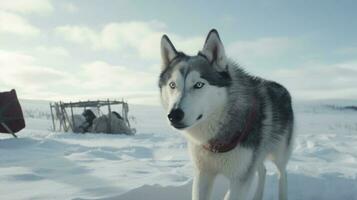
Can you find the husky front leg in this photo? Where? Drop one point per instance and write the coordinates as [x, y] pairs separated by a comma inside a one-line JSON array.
[[261, 181], [238, 189], [282, 185], [202, 185]]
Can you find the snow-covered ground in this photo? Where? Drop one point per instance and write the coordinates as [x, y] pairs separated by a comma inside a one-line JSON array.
[[154, 164]]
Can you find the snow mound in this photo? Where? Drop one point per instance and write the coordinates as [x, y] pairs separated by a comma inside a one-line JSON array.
[[327, 187]]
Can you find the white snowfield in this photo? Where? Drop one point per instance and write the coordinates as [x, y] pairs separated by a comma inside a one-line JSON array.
[[155, 165]]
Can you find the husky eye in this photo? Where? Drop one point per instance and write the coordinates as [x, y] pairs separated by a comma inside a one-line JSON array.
[[172, 85], [198, 85]]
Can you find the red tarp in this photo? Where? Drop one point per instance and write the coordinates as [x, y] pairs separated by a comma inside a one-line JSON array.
[[10, 113]]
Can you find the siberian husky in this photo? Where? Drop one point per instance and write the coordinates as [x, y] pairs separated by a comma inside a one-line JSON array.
[[232, 121]]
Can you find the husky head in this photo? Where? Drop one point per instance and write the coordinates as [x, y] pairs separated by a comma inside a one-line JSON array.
[[193, 88]]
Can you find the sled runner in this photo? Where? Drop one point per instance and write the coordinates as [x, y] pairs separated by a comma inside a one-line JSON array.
[[11, 116]]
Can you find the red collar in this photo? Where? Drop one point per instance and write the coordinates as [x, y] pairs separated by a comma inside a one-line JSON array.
[[221, 146]]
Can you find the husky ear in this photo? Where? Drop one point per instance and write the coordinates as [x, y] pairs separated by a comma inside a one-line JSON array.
[[214, 50], [168, 51]]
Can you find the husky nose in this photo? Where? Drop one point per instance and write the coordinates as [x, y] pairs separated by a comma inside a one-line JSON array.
[[176, 115]]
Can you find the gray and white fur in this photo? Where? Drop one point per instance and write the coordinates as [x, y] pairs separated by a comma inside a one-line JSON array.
[[208, 97]]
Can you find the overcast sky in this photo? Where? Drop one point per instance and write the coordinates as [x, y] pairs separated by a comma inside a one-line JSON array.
[[71, 50]]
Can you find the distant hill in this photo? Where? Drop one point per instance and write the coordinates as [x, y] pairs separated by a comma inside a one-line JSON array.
[[335, 107]]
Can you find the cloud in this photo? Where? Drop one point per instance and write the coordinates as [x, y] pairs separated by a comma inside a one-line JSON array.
[[267, 47], [70, 7], [78, 34], [31, 76], [114, 78], [315, 80], [53, 51], [19, 71], [27, 6], [347, 51], [9, 59], [96, 79], [101, 80], [15, 24], [141, 38]]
